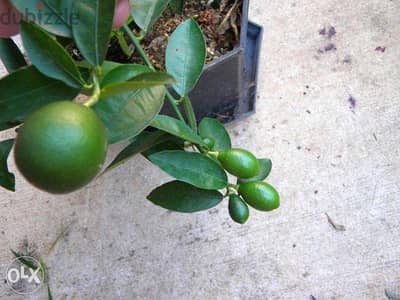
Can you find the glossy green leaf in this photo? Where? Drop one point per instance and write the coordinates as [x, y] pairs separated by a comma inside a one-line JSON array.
[[126, 114], [53, 15], [185, 56], [190, 167], [183, 197], [177, 6], [141, 81], [265, 170], [213, 129], [48, 56], [140, 143], [92, 31], [26, 90], [124, 73], [170, 144], [176, 128], [7, 179], [146, 12], [10, 55], [107, 67]]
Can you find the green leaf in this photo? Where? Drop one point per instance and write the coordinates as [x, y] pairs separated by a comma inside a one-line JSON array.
[[21, 258], [7, 179], [44, 269], [126, 114], [26, 90], [213, 129], [49, 295], [190, 167], [92, 32], [185, 56], [10, 55], [140, 143], [124, 73], [177, 128], [170, 144], [183, 197], [146, 12], [141, 81], [48, 56], [265, 170], [53, 15], [131, 108], [108, 66], [177, 6]]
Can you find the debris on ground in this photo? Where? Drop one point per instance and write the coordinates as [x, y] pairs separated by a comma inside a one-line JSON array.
[[352, 102], [380, 49], [336, 226], [329, 31]]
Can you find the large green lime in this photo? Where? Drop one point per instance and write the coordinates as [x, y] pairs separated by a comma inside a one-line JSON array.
[[61, 147]]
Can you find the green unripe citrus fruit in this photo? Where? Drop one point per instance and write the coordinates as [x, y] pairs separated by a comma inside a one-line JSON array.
[[61, 147], [209, 143], [238, 209], [239, 162], [259, 195]]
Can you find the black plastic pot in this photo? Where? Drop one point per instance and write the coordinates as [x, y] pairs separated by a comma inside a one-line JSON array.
[[227, 87]]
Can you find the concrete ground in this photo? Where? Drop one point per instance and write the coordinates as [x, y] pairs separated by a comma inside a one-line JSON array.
[[328, 115]]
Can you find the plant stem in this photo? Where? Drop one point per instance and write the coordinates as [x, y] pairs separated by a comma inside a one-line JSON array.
[[171, 101], [96, 93], [213, 153], [139, 48], [233, 186], [187, 104], [231, 189], [147, 61]]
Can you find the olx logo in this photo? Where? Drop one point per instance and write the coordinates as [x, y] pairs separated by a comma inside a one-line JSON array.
[[24, 278]]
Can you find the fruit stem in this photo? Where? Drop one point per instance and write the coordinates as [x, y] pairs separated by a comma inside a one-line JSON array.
[[142, 35], [213, 153], [138, 47], [230, 189], [96, 93], [187, 104], [174, 106], [233, 186]]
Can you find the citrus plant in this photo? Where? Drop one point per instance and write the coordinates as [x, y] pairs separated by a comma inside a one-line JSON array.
[[61, 144]]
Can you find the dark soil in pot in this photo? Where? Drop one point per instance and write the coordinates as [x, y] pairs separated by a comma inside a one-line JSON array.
[[221, 28]]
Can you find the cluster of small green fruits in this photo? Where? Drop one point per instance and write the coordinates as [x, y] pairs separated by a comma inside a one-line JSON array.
[[250, 189]]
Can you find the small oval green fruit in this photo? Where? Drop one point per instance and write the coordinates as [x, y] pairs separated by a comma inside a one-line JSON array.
[[239, 162], [238, 209], [260, 195], [61, 147]]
